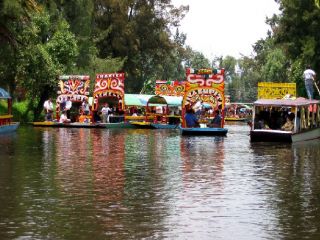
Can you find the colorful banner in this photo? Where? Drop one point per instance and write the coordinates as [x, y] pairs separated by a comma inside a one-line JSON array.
[[208, 88], [74, 85], [270, 90], [109, 85], [170, 88]]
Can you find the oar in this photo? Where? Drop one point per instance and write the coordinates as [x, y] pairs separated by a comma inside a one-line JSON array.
[[316, 87]]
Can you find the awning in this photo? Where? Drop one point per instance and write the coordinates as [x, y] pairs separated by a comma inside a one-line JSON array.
[[285, 102], [136, 99], [165, 100], [4, 94]]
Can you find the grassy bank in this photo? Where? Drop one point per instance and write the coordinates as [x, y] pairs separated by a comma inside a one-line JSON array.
[[20, 111]]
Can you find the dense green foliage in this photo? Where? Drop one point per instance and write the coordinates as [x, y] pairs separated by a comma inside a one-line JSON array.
[[42, 39]]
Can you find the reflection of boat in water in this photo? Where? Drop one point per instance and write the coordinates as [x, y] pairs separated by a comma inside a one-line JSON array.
[[269, 117], [6, 124], [68, 125]]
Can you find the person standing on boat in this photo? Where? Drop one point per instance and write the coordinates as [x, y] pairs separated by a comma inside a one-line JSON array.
[[105, 113], [68, 107], [309, 77], [48, 108]]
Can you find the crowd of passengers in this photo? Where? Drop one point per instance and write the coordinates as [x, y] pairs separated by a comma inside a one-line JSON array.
[[276, 120]]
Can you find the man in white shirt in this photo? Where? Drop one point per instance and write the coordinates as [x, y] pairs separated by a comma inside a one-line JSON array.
[[48, 108], [309, 78], [68, 107], [105, 113]]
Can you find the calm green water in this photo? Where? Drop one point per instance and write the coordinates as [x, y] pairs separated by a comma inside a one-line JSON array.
[[156, 184]]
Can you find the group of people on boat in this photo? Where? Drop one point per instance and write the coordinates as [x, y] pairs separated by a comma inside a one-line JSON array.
[[276, 120], [64, 108], [192, 119], [238, 111]]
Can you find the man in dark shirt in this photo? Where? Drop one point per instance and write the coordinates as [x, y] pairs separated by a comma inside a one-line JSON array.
[[216, 121], [191, 120]]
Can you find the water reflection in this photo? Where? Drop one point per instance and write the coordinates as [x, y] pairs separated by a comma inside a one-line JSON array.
[[293, 186], [135, 184]]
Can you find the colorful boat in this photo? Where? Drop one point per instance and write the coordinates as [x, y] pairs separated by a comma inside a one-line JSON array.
[[109, 88], [238, 112], [6, 123], [268, 120], [76, 88], [158, 115], [207, 86]]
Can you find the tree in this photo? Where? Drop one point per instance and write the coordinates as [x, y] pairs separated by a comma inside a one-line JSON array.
[[45, 54], [140, 32], [296, 32], [274, 69], [195, 59]]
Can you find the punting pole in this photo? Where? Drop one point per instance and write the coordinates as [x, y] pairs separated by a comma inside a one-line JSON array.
[[316, 87]]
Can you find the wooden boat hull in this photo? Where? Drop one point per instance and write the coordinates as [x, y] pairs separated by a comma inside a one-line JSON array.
[[283, 136], [9, 128], [164, 126], [141, 125], [68, 125], [117, 125], [204, 131]]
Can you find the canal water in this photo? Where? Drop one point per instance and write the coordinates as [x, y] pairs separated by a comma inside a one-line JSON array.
[[156, 184]]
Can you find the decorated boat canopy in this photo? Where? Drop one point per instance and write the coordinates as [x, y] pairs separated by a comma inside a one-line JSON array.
[[173, 101], [285, 102], [206, 87], [271, 90], [4, 94], [170, 88], [109, 85], [74, 86], [138, 100]]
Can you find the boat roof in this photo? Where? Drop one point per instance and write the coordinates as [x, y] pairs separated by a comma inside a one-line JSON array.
[[136, 99], [165, 100], [286, 102], [151, 100], [4, 94]]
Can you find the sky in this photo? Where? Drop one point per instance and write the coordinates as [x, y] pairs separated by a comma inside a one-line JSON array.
[[225, 27]]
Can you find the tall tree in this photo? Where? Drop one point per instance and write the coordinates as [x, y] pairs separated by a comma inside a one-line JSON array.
[[139, 31], [296, 32], [46, 52]]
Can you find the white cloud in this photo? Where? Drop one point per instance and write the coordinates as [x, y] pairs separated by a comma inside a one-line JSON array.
[[226, 27]]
